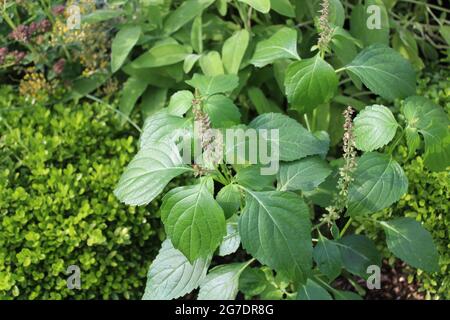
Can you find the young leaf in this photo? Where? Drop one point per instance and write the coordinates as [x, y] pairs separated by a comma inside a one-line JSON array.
[[328, 258], [208, 85], [412, 243], [197, 35], [193, 220], [233, 51], [295, 142], [171, 275], [431, 121], [189, 62], [229, 198], [379, 181], [187, 11], [282, 45], [132, 90], [211, 64], [122, 44], [375, 127], [222, 112], [149, 172], [232, 240], [312, 291], [385, 72], [283, 7], [161, 55], [252, 281], [305, 174], [310, 83], [358, 252], [222, 282], [180, 103], [282, 238], [259, 5]]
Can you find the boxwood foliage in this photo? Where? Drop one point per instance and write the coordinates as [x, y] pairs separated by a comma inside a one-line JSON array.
[[58, 167]]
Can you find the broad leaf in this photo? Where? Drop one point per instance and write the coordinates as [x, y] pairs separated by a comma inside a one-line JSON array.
[[328, 258], [312, 291], [233, 51], [193, 220], [295, 142], [229, 198], [232, 240], [211, 64], [212, 85], [358, 252], [281, 45], [180, 102], [122, 44], [412, 243], [152, 101], [222, 282], [379, 181], [149, 172], [305, 174], [171, 275], [251, 177], [197, 35], [432, 122], [252, 281], [275, 228], [346, 295], [310, 83], [261, 103], [222, 112], [187, 11], [375, 127], [161, 55], [132, 90], [283, 7], [385, 72], [259, 5]]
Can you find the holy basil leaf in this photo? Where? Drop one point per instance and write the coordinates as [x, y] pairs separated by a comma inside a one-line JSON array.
[[208, 85], [295, 142], [211, 64], [328, 258], [305, 174], [161, 55], [375, 127], [233, 51], [222, 282], [232, 240], [193, 220], [412, 243], [187, 11], [197, 35], [385, 72], [310, 83], [312, 291], [358, 252], [283, 7], [222, 112], [122, 45], [180, 102], [149, 172], [171, 275], [261, 103], [259, 5], [346, 295], [132, 90], [431, 121], [252, 281], [282, 238], [282, 45], [379, 181], [251, 177], [229, 198]]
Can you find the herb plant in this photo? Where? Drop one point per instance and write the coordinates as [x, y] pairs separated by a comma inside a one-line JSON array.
[[238, 65]]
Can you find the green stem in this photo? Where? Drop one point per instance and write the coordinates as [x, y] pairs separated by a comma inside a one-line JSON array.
[[349, 222], [394, 145], [305, 116], [340, 69]]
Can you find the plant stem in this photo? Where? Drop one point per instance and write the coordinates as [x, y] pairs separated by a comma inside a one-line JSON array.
[[349, 222], [394, 145]]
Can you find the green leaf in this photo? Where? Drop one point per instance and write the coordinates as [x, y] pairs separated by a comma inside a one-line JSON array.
[[305, 174], [161, 55], [222, 112], [232, 240], [180, 102], [375, 127], [152, 101], [385, 72], [261, 103], [187, 11], [361, 18], [171, 275], [337, 13], [222, 282], [310, 83], [193, 220], [148, 173], [197, 35], [101, 15], [295, 142], [432, 122], [212, 85], [412, 243], [229, 198], [132, 90], [122, 45], [312, 291], [281, 45], [252, 281], [328, 258], [259, 5], [211, 64], [251, 177], [190, 61], [233, 51], [346, 295], [358, 252], [379, 181], [282, 236], [283, 7]]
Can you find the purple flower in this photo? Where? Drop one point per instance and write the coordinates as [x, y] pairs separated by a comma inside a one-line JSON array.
[[3, 54], [58, 67], [44, 26], [18, 56], [59, 9], [21, 33]]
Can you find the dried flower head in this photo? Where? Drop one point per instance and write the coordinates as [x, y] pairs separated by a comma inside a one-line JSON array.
[[325, 30]]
